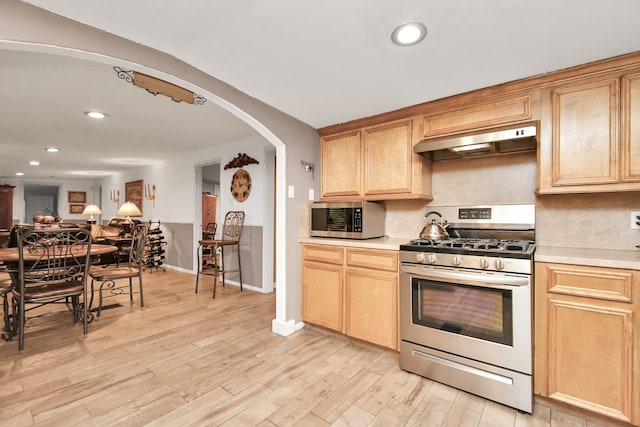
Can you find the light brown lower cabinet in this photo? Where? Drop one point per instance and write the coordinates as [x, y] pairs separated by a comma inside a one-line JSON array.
[[353, 291], [587, 342]]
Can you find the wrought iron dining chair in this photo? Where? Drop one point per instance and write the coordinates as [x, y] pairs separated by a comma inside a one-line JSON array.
[[231, 233], [109, 274], [208, 256], [53, 266], [210, 231]]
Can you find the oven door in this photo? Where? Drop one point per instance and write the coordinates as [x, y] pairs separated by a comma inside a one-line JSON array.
[[484, 316]]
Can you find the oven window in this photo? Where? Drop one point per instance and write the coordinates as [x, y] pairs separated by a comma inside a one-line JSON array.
[[478, 312]]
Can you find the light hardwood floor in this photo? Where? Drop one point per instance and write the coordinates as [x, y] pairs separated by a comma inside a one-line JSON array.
[[189, 360]]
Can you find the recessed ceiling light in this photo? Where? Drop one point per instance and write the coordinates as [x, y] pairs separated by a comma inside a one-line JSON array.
[[19, 173], [34, 163], [52, 149], [409, 33], [95, 114]]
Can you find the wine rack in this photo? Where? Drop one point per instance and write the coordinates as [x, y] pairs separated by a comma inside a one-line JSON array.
[[154, 249]]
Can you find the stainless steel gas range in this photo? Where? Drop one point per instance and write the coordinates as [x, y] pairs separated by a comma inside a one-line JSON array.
[[466, 303]]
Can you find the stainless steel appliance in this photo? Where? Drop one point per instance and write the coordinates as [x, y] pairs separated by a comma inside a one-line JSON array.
[[507, 139], [466, 303], [348, 220]]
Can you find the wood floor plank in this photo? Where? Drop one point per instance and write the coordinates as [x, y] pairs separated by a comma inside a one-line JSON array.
[[188, 359], [331, 408], [465, 411], [295, 410], [354, 417], [495, 414]]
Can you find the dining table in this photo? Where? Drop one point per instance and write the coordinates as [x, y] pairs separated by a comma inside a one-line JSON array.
[[10, 258]]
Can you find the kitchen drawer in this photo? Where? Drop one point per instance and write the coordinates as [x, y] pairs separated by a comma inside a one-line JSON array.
[[374, 259], [323, 253], [591, 282]]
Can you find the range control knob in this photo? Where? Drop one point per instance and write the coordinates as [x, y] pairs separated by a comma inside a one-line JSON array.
[[484, 263], [457, 260], [420, 257], [499, 264], [431, 258]]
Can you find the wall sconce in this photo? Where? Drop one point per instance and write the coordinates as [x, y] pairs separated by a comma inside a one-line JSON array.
[[150, 193], [307, 167], [114, 195]]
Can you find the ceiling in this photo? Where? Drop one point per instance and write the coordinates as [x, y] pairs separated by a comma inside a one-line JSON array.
[[322, 62]]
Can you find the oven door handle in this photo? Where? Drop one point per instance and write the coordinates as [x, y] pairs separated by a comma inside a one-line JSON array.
[[485, 280]]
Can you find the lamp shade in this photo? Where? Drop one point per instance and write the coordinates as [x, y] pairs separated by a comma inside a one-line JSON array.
[[128, 209], [92, 210]]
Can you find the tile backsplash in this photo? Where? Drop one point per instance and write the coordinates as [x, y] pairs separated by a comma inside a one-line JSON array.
[[572, 220], [587, 220], [507, 179]]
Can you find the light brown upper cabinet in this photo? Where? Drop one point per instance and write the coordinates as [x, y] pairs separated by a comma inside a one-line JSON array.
[[482, 114], [375, 163], [590, 135]]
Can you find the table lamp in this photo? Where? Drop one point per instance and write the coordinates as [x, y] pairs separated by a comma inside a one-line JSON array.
[[128, 209], [91, 210]]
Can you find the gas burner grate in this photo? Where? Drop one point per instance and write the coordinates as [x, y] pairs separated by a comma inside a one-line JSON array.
[[475, 244]]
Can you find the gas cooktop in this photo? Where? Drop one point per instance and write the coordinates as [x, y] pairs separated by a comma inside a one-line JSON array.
[[488, 230], [473, 246]]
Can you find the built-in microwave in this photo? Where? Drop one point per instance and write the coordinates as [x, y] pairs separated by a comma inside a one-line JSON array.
[[347, 220]]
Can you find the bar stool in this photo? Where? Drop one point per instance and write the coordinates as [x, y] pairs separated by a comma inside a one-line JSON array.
[[231, 233]]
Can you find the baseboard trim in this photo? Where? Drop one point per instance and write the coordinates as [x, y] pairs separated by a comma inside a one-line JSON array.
[[286, 328]]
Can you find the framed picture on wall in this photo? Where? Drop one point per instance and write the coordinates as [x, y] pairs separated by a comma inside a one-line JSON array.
[[77, 197], [76, 208], [133, 192]]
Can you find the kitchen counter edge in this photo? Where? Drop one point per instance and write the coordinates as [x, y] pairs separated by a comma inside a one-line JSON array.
[[628, 259], [387, 243]]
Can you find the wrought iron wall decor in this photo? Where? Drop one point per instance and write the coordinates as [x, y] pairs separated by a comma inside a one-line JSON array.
[[157, 86], [114, 196], [241, 160], [150, 193]]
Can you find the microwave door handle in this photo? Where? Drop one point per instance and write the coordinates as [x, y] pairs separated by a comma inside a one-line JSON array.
[[499, 281]]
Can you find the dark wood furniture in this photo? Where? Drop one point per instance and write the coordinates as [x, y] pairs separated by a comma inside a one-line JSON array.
[[6, 213]]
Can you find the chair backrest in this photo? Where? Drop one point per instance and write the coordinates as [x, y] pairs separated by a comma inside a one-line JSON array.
[[210, 231], [232, 227], [52, 256], [138, 243]]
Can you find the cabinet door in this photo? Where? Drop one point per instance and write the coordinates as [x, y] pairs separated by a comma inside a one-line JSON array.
[[585, 133], [387, 158], [341, 165], [631, 128], [372, 306], [6, 207], [486, 114], [322, 289], [587, 338]]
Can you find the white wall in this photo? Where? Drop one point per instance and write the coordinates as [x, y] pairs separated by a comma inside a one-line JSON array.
[[91, 187]]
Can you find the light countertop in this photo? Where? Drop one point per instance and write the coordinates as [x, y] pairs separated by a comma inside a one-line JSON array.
[[590, 257], [629, 259], [388, 243]]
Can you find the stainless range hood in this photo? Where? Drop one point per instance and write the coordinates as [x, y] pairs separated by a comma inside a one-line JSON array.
[[502, 140]]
